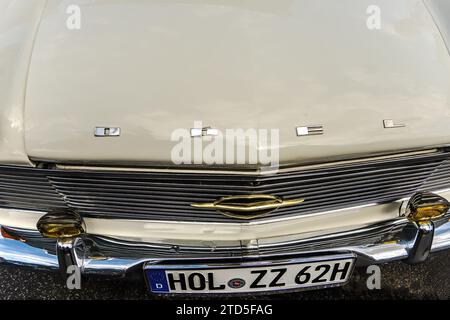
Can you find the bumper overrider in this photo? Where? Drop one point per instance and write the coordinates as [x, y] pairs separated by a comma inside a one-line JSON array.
[[60, 240]]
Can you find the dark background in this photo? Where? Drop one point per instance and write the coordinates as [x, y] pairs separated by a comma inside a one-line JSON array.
[[430, 280]]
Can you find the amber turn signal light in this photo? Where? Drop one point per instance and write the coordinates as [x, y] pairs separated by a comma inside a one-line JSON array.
[[65, 224], [427, 206]]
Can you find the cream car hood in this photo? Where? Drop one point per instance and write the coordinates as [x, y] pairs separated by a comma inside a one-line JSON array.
[[150, 67]]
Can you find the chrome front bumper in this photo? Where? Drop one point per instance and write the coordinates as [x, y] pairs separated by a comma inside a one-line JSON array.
[[386, 242]]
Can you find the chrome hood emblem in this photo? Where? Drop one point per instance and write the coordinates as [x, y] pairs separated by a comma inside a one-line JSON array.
[[247, 206]]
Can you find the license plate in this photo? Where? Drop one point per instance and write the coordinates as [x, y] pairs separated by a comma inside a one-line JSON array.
[[250, 277]]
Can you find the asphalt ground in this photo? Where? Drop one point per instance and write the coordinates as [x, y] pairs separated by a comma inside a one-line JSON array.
[[430, 280]]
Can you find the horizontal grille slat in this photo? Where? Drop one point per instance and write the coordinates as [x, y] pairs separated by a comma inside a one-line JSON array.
[[74, 186], [168, 195]]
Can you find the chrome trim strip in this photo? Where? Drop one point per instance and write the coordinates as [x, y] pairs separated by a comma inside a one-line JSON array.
[[259, 171]]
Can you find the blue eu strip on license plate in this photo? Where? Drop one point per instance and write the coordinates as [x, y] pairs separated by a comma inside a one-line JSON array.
[[157, 280]]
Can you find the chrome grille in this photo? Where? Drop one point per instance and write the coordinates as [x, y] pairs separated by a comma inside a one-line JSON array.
[[167, 196], [27, 188]]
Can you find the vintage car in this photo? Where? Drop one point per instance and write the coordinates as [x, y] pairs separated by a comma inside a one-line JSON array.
[[95, 95]]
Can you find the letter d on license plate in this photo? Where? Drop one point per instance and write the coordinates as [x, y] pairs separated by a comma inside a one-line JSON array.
[[250, 276]]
